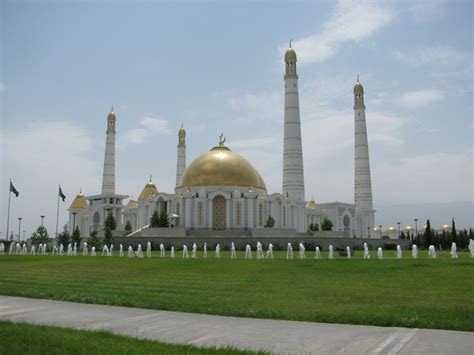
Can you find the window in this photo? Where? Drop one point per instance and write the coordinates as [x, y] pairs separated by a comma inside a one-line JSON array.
[[238, 213], [260, 214], [200, 213], [177, 208], [284, 216]]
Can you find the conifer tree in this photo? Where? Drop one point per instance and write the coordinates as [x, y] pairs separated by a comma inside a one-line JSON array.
[[110, 222], [40, 235], [63, 237], [76, 236], [163, 220], [155, 220]]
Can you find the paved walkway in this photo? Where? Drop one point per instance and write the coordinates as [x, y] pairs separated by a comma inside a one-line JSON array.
[[244, 333]]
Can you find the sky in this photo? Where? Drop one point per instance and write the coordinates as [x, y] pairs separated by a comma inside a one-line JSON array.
[[218, 67]]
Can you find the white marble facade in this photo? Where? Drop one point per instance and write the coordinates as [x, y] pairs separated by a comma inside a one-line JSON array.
[[236, 202]]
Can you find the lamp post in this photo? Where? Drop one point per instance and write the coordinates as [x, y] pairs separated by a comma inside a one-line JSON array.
[[73, 221], [380, 231], [398, 223], [19, 227], [416, 229], [42, 221]]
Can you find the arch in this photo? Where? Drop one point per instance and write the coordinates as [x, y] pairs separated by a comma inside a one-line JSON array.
[[96, 218], [219, 212], [346, 222], [161, 205]]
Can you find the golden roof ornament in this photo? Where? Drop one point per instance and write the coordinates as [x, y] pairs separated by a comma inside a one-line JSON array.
[[221, 140]]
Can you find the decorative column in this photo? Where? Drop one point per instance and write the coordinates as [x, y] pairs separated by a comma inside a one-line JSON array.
[[108, 178], [293, 173], [362, 182], [181, 161], [227, 214], [187, 200], [250, 202]]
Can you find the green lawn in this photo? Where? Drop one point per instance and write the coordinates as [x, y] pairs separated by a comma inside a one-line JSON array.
[[423, 293], [20, 338]]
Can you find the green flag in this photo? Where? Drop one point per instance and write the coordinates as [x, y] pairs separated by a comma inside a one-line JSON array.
[[63, 196], [12, 189]]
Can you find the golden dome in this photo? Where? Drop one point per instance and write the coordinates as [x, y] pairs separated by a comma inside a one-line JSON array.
[[311, 204], [79, 202], [149, 190], [111, 115], [132, 204], [290, 55], [182, 132], [222, 167], [358, 88]]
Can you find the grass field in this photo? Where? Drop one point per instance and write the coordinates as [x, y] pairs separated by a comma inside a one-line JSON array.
[[20, 338], [422, 293]]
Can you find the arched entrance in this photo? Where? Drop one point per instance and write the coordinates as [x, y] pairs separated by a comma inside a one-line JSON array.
[[96, 221], [346, 221], [219, 212]]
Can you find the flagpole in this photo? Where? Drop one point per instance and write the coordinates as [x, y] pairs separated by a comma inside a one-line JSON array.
[[57, 216], [8, 218]]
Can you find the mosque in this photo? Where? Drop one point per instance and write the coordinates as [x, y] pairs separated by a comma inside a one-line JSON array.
[[220, 191]]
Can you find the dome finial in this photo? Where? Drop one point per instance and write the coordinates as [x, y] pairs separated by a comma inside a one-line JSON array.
[[357, 77], [112, 109], [151, 177], [221, 140], [290, 42]]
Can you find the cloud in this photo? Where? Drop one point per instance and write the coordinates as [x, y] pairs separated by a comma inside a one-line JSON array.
[[436, 55], [352, 21], [420, 98], [39, 157], [254, 142], [428, 177], [149, 127], [425, 11], [3, 87]]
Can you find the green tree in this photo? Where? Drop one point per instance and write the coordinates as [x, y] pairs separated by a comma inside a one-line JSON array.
[[107, 236], [428, 235], [40, 235], [155, 220], [327, 224], [454, 235], [314, 227], [270, 222], [63, 237], [110, 222], [94, 240], [76, 236], [402, 235], [128, 226], [163, 220]]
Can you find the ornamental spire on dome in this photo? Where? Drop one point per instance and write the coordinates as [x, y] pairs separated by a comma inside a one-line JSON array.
[[221, 140]]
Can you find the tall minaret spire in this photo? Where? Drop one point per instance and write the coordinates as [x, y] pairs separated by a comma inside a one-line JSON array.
[[293, 174], [181, 162], [362, 182], [108, 179]]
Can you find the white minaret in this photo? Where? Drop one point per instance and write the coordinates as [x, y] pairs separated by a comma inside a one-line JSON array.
[[293, 174], [362, 183], [108, 179], [181, 162]]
